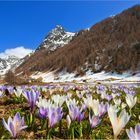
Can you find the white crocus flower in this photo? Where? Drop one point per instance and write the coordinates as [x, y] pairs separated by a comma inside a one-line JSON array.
[[114, 95], [88, 101], [58, 99], [118, 123], [18, 92], [103, 94], [130, 100], [43, 103], [95, 107], [123, 105], [72, 102], [117, 101]]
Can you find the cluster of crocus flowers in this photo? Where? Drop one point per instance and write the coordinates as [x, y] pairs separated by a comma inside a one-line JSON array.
[[58, 99], [134, 135], [88, 101], [75, 113], [43, 106], [82, 106], [118, 123], [50, 111], [98, 108], [15, 125]]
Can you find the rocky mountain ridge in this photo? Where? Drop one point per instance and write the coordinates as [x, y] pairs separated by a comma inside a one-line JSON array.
[[56, 38]]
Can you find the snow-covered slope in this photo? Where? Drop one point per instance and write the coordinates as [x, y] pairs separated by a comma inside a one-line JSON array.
[[7, 63], [89, 76], [58, 37]]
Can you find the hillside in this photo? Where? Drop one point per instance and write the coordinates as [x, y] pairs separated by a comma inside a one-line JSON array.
[[110, 45]]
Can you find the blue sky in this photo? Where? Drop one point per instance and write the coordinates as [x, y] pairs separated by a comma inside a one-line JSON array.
[[26, 23]]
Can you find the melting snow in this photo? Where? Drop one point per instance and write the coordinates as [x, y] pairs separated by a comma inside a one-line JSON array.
[[89, 77]]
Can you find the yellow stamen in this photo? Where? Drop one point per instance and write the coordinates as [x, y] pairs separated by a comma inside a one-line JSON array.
[[16, 126]]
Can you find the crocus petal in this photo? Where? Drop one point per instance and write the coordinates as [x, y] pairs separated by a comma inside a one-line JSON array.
[[68, 121], [130, 133], [13, 131], [9, 120], [23, 127], [16, 117], [137, 131], [5, 124]]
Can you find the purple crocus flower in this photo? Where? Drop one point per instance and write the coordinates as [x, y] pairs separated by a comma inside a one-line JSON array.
[[85, 87], [75, 113], [94, 120], [120, 87], [101, 87], [10, 89], [54, 116], [43, 112], [32, 97], [134, 135], [102, 109], [109, 97], [15, 125], [88, 95], [80, 116], [119, 94]]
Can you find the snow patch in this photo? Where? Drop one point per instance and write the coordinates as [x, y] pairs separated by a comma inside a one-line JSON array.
[[89, 77]]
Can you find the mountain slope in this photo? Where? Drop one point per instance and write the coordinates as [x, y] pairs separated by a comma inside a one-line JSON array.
[[8, 63], [56, 39], [110, 45]]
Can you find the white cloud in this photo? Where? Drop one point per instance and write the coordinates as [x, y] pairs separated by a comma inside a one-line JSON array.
[[19, 52]]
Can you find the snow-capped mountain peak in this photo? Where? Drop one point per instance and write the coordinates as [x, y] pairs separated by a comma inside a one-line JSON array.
[[7, 63], [57, 37]]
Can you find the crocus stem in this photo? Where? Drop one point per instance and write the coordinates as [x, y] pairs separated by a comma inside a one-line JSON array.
[[41, 123], [31, 119], [130, 110], [68, 132], [47, 128], [49, 133], [80, 131], [60, 126], [72, 132], [115, 137]]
